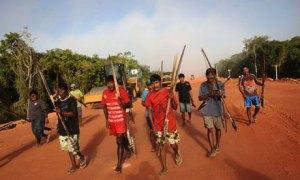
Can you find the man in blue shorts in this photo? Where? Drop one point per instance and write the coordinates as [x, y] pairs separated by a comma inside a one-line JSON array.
[[247, 86]]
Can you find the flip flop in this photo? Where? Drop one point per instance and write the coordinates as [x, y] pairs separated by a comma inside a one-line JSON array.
[[212, 154], [162, 173], [178, 160], [83, 163]]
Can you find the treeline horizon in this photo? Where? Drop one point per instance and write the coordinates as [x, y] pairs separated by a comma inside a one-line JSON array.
[[284, 54], [20, 65]]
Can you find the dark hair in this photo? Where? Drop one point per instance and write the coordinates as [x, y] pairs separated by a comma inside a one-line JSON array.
[[181, 75], [109, 78], [155, 77], [33, 91], [244, 66], [63, 86], [209, 70]]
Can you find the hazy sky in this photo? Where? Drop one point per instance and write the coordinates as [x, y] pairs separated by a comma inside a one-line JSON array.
[[152, 30]]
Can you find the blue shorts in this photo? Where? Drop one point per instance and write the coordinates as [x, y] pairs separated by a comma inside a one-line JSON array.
[[251, 100], [185, 107]]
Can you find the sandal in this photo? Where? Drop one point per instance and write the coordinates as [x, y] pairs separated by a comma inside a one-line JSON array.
[[212, 154], [162, 173], [178, 159], [83, 163]]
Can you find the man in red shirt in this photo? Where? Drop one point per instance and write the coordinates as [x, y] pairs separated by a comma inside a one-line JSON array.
[[157, 102], [116, 117]]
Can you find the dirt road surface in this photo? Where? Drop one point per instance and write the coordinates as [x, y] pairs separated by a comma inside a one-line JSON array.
[[268, 149]]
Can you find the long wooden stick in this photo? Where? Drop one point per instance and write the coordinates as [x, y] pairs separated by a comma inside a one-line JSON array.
[[176, 67], [128, 134], [222, 99], [263, 82], [115, 78], [166, 122], [58, 115], [162, 69]]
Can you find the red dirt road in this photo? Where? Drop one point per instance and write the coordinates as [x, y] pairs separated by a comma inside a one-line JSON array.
[[268, 149]]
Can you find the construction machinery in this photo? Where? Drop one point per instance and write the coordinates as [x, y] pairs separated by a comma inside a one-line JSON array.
[[166, 79], [134, 80], [132, 84]]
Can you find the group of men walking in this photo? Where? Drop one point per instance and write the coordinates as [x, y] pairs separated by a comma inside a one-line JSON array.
[[160, 114]]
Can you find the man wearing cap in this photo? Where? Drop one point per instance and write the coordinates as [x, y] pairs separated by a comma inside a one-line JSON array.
[[79, 97]]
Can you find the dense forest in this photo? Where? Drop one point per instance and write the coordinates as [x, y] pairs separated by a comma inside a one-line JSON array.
[[20, 64], [284, 54]]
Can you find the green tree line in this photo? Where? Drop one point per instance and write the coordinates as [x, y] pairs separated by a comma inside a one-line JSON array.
[[20, 63], [284, 54]]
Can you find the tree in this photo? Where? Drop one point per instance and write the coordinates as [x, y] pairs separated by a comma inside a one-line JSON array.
[[23, 62], [285, 54]]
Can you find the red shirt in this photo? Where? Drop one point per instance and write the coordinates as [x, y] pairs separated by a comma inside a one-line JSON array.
[[114, 110], [157, 101]]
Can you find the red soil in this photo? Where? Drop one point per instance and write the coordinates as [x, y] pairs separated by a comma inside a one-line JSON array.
[[268, 149]]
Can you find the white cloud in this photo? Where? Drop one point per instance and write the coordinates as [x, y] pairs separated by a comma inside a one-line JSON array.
[[160, 36]]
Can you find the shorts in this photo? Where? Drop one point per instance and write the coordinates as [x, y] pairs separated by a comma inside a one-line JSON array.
[[66, 145], [185, 107], [251, 100], [172, 137], [117, 128], [79, 112], [213, 122]]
